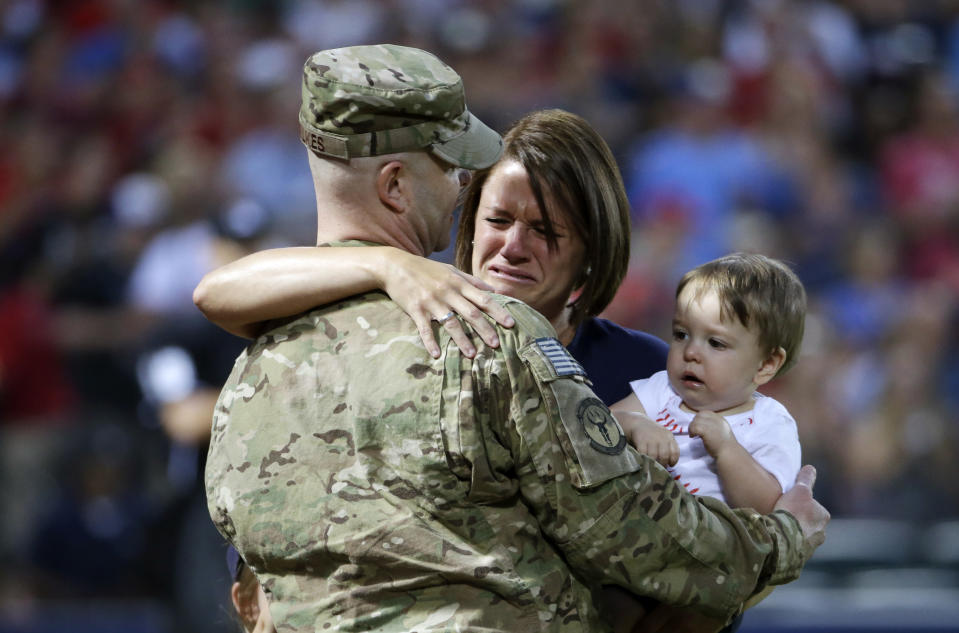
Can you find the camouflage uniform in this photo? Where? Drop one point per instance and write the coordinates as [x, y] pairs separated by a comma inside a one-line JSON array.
[[373, 488]]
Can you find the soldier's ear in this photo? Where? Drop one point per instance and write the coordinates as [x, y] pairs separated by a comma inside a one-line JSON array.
[[244, 598], [392, 186]]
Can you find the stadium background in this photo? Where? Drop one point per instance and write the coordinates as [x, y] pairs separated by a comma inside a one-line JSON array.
[[144, 142]]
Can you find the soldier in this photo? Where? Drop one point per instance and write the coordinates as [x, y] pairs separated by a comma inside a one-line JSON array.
[[371, 486]]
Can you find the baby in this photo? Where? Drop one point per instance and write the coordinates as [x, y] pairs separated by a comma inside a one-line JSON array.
[[738, 323]]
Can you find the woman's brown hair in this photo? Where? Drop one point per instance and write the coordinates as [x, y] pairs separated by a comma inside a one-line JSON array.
[[573, 174]]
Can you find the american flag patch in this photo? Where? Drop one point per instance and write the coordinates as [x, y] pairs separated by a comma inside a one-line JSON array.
[[560, 359]]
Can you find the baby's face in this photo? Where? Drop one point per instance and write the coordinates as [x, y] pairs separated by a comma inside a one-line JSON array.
[[712, 363]]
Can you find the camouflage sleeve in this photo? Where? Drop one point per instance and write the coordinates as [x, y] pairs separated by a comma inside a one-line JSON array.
[[618, 516]]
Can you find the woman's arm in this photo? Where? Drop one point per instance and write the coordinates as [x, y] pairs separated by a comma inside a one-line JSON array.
[[269, 284]]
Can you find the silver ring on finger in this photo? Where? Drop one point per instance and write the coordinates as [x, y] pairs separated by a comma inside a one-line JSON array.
[[446, 317]]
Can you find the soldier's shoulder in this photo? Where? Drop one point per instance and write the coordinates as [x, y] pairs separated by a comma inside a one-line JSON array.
[[362, 316], [528, 321]]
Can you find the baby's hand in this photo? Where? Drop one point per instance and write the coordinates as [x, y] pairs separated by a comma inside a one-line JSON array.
[[649, 437], [714, 431]]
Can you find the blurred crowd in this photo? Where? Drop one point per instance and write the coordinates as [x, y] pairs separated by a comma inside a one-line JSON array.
[[145, 142]]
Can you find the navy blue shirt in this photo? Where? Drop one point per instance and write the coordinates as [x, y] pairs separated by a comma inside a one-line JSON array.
[[613, 356]]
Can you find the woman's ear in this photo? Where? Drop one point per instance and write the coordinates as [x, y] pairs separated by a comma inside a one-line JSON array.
[[580, 286], [575, 295], [769, 367], [392, 187]]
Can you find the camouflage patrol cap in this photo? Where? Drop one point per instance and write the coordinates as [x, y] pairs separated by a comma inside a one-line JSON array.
[[383, 99]]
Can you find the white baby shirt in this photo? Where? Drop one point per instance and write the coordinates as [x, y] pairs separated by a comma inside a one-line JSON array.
[[767, 432]]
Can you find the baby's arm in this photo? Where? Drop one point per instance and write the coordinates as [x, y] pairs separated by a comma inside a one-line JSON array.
[[275, 283], [643, 433], [745, 483]]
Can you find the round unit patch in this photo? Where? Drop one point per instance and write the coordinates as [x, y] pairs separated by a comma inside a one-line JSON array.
[[601, 428]]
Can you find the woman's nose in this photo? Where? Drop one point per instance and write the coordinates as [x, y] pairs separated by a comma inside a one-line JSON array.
[[514, 242]]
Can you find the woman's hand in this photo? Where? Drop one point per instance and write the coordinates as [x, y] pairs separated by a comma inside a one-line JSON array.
[[428, 290]]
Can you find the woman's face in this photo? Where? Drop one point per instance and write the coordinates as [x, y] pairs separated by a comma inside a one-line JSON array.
[[510, 251]]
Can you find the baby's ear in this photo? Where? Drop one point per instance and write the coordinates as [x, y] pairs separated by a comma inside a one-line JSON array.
[[769, 367]]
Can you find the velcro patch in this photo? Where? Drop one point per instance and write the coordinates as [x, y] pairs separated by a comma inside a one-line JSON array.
[[559, 358], [601, 428]]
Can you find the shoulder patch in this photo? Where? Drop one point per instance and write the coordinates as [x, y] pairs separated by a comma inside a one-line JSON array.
[[559, 357], [592, 441], [604, 434]]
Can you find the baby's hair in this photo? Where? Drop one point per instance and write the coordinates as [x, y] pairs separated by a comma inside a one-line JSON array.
[[762, 293]]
